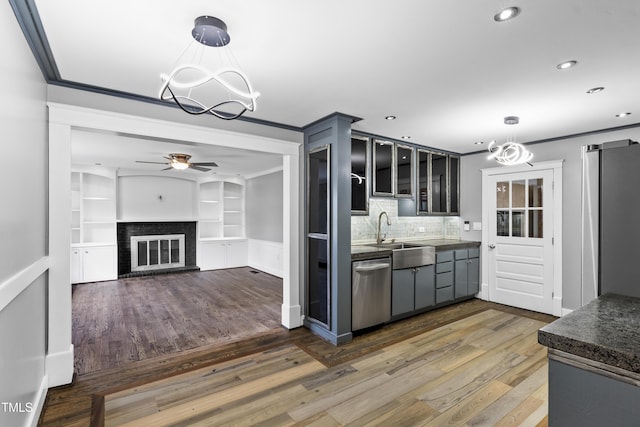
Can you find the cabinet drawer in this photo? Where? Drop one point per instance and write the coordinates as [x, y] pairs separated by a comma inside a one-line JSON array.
[[474, 253], [443, 267], [444, 279], [461, 254], [444, 294], [444, 256]]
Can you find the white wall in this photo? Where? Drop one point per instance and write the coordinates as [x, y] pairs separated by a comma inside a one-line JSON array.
[[264, 207], [23, 228], [568, 150], [146, 198]]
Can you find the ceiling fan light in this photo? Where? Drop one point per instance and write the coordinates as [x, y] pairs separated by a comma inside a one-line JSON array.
[[179, 165]]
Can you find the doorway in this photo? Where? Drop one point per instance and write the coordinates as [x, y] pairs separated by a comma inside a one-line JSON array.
[[522, 250]]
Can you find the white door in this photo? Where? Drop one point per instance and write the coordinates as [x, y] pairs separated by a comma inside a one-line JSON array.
[[520, 239]]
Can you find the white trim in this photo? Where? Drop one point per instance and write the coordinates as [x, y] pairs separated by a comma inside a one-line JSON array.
[[263, 173], [291, 316], [266, 256], [566, 311], [14, 285], [38, 403], [556, 167], [57, 367]]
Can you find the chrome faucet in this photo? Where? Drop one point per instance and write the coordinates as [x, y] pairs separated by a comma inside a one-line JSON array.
[[378, 238]]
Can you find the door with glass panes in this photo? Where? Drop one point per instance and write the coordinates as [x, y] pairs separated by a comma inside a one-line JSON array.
[[520, 239]]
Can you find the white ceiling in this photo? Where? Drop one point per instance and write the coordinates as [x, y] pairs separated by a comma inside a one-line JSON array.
[[445, 68]]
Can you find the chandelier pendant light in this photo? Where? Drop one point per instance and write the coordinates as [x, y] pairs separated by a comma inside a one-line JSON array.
[[510, 153], [226, 93]]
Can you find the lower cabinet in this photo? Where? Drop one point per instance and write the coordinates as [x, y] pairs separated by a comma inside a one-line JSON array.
[[444, 276], [412, 289], [467, 272], [216, 254], [93, 263]]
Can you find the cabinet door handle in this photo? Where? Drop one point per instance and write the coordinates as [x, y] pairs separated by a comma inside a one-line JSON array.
[[492, 246]]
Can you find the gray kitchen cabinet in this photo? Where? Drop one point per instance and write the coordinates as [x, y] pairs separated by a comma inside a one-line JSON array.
[[412, 289], [444, 276], [467, 272]]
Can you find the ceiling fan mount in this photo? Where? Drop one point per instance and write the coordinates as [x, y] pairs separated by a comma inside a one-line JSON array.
[[180, 161]]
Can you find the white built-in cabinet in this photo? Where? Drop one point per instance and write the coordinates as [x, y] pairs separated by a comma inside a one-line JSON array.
[[93, 225], [221, 224]]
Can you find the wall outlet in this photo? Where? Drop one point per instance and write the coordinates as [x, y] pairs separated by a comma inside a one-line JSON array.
[[466, 226], [477, 226], [421, 229]]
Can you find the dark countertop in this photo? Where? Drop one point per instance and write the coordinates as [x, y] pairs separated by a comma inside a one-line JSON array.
[[607, 330], [360, 252]]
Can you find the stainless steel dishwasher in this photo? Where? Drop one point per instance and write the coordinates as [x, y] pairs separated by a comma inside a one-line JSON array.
[[370, 293]]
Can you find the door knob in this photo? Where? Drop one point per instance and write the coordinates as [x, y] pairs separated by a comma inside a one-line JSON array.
[[492, 246]]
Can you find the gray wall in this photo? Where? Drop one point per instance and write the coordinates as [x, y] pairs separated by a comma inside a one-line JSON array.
[[23, 221], [568, 150], [264, 207]]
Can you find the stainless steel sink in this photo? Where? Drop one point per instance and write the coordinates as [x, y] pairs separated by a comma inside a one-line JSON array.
[[388, 245], [416, 256]]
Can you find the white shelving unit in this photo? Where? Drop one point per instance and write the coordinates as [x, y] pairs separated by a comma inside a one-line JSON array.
[[221, 224], [93, 225]]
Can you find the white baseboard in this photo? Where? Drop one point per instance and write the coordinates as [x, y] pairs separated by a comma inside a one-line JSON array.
[[291, 316], [566, 311], [266, 256], [38, 404], [59, 367]]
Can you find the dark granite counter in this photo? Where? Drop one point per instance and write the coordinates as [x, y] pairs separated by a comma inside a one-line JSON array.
[[360, 252], [607, 330]]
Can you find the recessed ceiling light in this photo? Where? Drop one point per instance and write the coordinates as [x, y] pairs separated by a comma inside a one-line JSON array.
[[390, 117], [623, 114], [595, 90], [405, 137], [506, 14], [479, 142], [567, 64]]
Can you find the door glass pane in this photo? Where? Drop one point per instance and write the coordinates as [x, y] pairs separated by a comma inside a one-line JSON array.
[[502, 195], [319, 280], [383, 163], [439, 183], [153, 252], [164, 251], [535, 223], [453, 180], [423, 181], [404, 159], [318, 191], [142, 253], [518, 194], [175, 250], [517, 224], [502, 223], [535, 193], [358, 174]]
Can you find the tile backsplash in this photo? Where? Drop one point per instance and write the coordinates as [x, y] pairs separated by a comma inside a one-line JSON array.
[[364, 228]]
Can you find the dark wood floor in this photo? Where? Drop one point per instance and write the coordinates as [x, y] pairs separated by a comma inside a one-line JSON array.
[[123, 321], [72, 405]]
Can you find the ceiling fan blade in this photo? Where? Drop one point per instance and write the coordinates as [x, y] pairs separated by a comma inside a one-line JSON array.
[[155, 163], [198, 168], [214, 164]]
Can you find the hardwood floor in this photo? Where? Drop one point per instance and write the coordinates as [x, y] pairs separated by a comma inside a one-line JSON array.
[[122, 321], [495, 375], [486, 370]]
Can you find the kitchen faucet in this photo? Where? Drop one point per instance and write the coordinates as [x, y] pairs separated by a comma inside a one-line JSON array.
[[378, 238]]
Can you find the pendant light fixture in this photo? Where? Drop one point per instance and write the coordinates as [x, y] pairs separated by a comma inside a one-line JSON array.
[[510, 153], [225, 92]]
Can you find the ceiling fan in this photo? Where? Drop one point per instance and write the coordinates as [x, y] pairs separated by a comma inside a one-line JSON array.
[[181, 161]]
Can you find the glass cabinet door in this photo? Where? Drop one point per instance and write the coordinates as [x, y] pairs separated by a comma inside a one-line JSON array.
[[359, 175], [438, 183], [423, 182], [382, 168], [404, 171], [318, 255], [454, 184]]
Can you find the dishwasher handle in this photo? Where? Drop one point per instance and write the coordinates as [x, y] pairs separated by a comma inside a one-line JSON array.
[[372, 267]]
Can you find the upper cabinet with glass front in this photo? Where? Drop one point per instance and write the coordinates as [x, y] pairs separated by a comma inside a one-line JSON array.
[[359, 175], [404, 171], [438, 183], [383, 162]]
